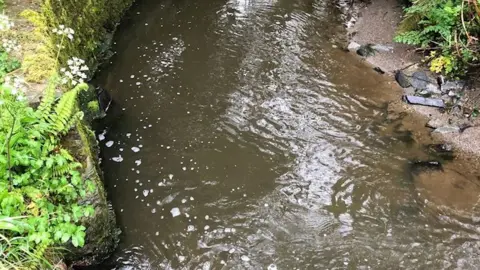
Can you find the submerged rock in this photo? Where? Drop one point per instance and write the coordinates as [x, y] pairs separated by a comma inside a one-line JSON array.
[[417, 167], [444, 151], [449, 190]]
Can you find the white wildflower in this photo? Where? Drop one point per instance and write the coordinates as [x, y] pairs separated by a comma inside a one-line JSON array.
[[62, 30], [75, 72], [10, 45], [5, 23]]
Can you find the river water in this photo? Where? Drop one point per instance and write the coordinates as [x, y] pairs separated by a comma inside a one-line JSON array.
[[243, 137]]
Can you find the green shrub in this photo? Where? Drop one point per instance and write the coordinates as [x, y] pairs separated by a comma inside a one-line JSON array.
[[38, 178], [448, 29]]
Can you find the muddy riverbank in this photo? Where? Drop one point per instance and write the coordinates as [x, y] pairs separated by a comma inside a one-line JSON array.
[[453, 119]]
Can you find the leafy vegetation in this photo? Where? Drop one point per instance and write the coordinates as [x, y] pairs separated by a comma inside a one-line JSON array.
[[447, 29], [40, 180], [7, 64], [41, 186]]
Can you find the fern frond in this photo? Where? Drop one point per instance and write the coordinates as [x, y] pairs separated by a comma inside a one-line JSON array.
[[45, 107], [65, 115], [66, 168]]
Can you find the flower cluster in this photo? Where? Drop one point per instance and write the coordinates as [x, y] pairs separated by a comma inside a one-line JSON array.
[[75, 73], [5, 23], [10, 45], [17, 87], [64, 31]]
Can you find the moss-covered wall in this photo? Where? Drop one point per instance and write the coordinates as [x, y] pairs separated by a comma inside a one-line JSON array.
[[92, 20]]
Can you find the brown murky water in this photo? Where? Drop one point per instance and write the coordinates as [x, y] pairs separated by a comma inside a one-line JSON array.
[[243, 138]]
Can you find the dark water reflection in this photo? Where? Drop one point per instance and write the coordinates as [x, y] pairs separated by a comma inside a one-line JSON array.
[[270, 142]]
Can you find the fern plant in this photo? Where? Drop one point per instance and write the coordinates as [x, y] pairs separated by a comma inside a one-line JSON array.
[[448, 27]]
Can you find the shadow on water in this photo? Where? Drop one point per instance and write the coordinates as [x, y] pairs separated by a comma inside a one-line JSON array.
[[243, 137]]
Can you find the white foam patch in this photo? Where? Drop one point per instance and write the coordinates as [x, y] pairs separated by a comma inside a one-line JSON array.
[[118, 159], [175, 212], [272, 267], [109, 144], [135, 149]]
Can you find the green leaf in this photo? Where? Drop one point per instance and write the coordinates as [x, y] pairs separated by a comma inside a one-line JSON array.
[[65, 237], [58, 235]]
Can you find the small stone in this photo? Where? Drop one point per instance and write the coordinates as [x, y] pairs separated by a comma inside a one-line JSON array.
[[382, 48], [451, 93], [366, 50], [432, 88], [447, 129], [353, 46], [402, 79], [420, 80], [379, 70], [453, 85]]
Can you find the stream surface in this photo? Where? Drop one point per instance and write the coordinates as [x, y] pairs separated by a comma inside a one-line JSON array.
[[243, 137]]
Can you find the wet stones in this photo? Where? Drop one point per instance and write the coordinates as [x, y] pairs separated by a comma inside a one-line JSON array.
[[443, 151], [418, 167], [447, 129], [366, 50]]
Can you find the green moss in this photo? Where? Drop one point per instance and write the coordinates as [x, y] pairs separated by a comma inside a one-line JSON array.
[[39, 62], [91, 20], [93, 106]]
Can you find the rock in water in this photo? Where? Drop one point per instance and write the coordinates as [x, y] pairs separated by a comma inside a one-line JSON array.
[[432, 102], [418, 167], [402, 79], [444, 151]]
